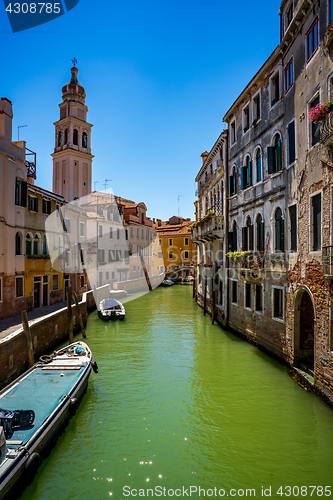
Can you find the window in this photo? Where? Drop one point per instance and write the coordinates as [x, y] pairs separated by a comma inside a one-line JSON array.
[[137, 233], [82, 280], [59, 139], [289, 14], [258, 165], [314, 127], [233, 182], [260, 234], [246, 119], [20, 192], [112, 255], [288, 75], [186, 254], [234, 291], [84, 140], [246, 174], [55, 282], [258, 297], [291, 143], [28, 244], [19, 287], [33, 203], [160, 255], [75, 137], [18, 244], [118, 255], [248, 301], [36, 245], [81, 228], [274, 155], [142, 234], [279, 231], [100, 231], [66, 136], [170, 242], [330, 15], [67, 227], [170, 255], [277, 303], [118, 234], [57, 210], [111, 233], [247, 236], [45, 250], [131, 232], [316, 222], [275, 88], [186, 242], [232, 238], [233, 132], [312, 39], [293, 228], [101, 256], [46, 207], [256, 109]]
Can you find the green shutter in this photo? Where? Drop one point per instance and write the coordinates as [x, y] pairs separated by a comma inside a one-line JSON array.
[[251, 246], [23, 194], [271, 159], [244, 239]]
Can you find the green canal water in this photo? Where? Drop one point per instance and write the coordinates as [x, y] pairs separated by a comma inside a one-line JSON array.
[[179, 403]]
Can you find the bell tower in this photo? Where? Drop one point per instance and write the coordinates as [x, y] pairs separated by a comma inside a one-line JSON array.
[[72, 158]]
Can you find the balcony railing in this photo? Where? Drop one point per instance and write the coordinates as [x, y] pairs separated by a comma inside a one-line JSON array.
[[208, 229], [247, 260], [326, 130], [328, 262]]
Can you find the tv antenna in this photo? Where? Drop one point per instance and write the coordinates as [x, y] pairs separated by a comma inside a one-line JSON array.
[[18, 131], [106, 181], [179, 196]]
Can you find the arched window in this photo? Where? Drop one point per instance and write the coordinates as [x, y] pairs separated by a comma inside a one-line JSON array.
[[36, 245], [279, 231], [246, 173], [28, 246], [232, 238], [45, 252], [66, 136], [247, 236], [274, 155], [84, 140], [258, 165], [260, 234], [75, 137], [59, 139], [233, 182], [18, 240]]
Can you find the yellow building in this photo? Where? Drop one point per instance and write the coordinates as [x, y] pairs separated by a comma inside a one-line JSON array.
[[175, 243]]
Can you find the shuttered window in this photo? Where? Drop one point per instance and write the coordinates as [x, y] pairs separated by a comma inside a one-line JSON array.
[[293, 228], [279, 231], [260, 234], [19, 286], [316, 222], [315, 127], [291, 143], [277, 303]]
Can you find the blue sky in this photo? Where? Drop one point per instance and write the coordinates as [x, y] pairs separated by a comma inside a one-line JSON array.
[[159, 77]]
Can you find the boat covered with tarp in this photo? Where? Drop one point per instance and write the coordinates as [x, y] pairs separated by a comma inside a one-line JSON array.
[[111, 309], [35, 407]]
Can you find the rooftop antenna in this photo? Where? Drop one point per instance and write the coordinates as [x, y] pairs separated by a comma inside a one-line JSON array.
[[18, 131], [179, 196], [106, 181], [96, 182]]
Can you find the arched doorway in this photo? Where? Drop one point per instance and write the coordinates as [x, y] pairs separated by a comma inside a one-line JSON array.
[[304, 336]]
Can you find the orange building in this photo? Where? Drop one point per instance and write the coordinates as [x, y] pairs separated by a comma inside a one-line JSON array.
[[174, 239]]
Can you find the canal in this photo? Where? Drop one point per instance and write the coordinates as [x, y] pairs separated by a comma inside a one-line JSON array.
[[179, 403]]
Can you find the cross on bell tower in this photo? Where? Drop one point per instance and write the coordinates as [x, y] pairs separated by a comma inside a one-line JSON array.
[[72, 158]]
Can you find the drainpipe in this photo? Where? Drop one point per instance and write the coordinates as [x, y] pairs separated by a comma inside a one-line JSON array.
[[226, 232]]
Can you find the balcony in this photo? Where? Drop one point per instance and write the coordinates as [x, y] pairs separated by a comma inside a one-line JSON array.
[[247, 260], [326, 130], [328, 262], [209, 228]]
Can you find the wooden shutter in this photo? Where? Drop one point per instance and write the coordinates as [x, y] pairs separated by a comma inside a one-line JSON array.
[[230, 241], [244, 239], [242, 177], [251, 246], [234, 241], [282, 235], [291, 140], [23, 194], [231, 182], [249, 175], [271, 159]]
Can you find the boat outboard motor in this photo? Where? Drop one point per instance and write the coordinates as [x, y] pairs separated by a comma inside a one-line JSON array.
[[11, 420], [3, 445]]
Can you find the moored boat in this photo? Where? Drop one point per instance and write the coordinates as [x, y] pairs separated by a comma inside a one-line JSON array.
[[111, 309], [167, 282], [50, 392], [187, 280]]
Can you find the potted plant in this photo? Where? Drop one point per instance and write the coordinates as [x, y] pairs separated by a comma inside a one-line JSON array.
[[319, 112]]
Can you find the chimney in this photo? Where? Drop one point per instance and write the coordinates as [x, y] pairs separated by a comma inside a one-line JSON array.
[[159, 222], [6, 117], [204, 156], [154, 220]]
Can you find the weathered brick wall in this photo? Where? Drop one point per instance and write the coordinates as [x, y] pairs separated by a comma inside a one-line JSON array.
[[10, 305], [46, 333]]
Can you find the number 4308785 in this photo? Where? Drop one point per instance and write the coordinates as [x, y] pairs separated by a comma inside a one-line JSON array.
[[304, 491], [33, 8]]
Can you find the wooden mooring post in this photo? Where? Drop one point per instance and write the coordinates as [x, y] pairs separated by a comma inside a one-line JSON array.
[[205, 297], [79, 314], [213, 306], [69, 314], [195, 277], [27, 334]]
